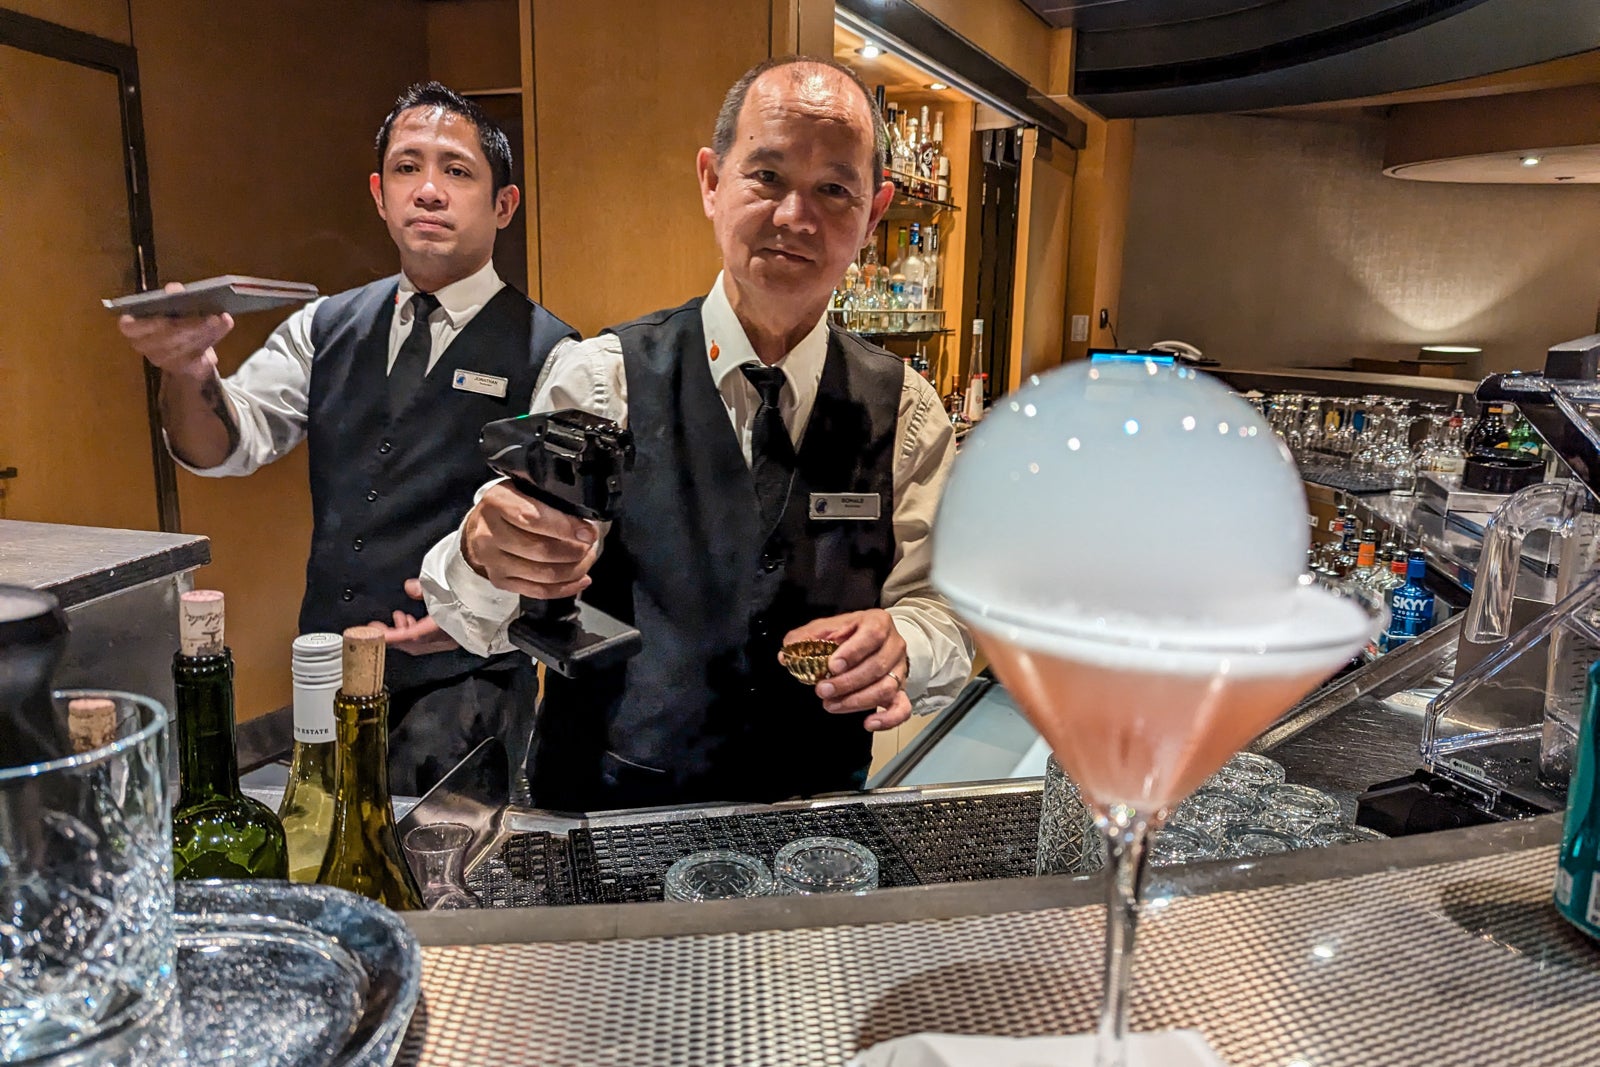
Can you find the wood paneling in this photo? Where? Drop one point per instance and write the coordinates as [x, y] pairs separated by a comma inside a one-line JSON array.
[[1006, 29], [473, 44], [103, 18], [1044, 215], [621, 227], [1099, 227], [260, 144], [73, 414]]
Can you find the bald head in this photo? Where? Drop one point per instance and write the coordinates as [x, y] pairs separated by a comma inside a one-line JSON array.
[[822, 86]]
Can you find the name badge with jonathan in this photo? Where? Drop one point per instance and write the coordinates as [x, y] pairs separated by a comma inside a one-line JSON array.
[[845, 507], [471, 381]]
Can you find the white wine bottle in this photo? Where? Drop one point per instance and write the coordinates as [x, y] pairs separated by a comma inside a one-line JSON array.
[[364, 855], [307, 808]]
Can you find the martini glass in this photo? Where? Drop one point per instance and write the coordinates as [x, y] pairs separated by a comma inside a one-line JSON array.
[[1126, 540]]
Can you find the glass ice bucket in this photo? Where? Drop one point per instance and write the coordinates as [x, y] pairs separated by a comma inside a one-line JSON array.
[[86, 944]]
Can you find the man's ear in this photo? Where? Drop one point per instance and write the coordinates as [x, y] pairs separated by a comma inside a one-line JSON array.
[[880, 203], [705, 167], [505, 205], [375, 183]]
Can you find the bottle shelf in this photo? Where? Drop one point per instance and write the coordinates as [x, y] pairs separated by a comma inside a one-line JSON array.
[[911, 203]]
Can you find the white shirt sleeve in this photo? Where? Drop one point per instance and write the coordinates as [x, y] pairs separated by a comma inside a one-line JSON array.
[[587, 375], [269, 394], [938, 647]]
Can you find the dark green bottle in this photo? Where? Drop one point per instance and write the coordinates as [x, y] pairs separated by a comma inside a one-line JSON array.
[[364, 847], [217, 831], [1578, 863]]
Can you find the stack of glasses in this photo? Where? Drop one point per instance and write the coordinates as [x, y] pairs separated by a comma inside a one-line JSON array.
[[1244, 810]]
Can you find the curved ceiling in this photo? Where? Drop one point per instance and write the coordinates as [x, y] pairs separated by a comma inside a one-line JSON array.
[[1136, 58]]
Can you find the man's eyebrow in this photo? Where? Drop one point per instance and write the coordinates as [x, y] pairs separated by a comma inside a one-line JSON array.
[[765, 155], [770, 155]]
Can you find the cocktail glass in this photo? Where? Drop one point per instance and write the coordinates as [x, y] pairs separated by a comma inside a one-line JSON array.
[[1127, 540]]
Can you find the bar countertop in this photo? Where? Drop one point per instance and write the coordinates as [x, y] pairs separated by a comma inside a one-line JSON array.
[[79, 563], [1436, 949]]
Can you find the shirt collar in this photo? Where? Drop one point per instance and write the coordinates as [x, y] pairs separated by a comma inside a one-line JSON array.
[[459, 298], [728, 348]]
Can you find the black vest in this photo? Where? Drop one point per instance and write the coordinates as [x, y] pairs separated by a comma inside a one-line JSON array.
[[705, 712], [386, 486]]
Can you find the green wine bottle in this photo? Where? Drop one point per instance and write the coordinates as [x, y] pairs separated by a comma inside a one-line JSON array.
[[364, 855], [307, 808], [217, 831]]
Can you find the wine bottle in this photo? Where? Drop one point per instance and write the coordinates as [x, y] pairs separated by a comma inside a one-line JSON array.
[[364, 854], [217, 831], [307, 808]]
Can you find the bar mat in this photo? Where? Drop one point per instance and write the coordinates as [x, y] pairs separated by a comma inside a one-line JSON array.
[[965, 839], [1349, 480], [530, 870], [614, 864]]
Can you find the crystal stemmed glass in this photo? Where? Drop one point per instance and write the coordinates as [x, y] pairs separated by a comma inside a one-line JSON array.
[[1143, 671]]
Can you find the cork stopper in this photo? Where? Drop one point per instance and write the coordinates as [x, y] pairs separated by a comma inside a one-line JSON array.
[[200, 622], [91, 723], [363, 661]]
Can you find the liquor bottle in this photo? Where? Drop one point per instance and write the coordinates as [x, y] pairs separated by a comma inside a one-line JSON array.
[[217, 831], [930, 261], [973, 411], [941, 162], [1490, 435], [1521, 439], [1366, 558], [927, 158], [1397, 574], [364, 854], [1578, 862], [909, 173], [1344, 560], [916, 272], [1410, 605], [307, 808]]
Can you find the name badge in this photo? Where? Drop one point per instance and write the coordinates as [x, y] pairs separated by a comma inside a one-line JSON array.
[[844, 507], [470, 381]]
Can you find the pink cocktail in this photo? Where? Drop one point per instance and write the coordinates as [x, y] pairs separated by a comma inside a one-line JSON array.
[[1126, 541]]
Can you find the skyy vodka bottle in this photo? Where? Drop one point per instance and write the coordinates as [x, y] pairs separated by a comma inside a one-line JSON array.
[[1410, 606]]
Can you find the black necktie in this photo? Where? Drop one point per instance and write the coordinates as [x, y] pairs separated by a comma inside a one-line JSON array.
[[771, 451], [411, 362]]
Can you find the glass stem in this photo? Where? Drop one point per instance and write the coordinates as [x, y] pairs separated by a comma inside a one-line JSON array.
[[1125, 831]]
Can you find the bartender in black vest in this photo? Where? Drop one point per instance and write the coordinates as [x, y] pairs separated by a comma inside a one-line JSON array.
[[786, 480], [389, 384]]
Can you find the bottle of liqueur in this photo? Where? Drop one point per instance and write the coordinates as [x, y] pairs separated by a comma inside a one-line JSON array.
[[217, 831], [1366, 558], [927, 159], [1578, 863], [307, 808], [1410, 605], [1490, 436], [364, 854]]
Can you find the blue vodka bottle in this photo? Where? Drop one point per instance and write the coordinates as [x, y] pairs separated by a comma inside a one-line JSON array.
[[1410, 605]]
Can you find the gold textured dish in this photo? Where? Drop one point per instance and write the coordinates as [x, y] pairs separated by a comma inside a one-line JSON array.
[[808, 660]]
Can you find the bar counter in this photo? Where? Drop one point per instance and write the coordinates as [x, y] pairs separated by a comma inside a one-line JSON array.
[[1441, 948]]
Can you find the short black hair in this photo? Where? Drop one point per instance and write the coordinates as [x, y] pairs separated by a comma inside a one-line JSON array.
[[728, 118], [496, 147]]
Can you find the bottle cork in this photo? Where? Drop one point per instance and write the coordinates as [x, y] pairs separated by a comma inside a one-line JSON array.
[[200, 613], [363, 661], [91, 723]]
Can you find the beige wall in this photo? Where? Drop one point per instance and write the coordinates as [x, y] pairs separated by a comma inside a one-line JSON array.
[[259, 149], [1271, 241]]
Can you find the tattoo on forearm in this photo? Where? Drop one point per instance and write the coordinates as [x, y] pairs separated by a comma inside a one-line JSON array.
[[213, 395]]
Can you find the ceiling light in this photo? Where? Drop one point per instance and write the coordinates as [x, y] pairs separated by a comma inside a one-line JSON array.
[[1530, 161], [938, 87], [869, 51]]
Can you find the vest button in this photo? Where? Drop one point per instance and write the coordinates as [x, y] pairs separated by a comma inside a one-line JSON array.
[[357, 544], [385, 448], [372, 494], [770, 562], [348, 594]]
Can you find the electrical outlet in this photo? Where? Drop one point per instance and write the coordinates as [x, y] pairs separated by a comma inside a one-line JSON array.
[[1105, 318], [1080, 327]]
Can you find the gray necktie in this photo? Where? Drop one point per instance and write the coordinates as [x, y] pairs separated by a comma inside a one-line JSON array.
[[771, 451]]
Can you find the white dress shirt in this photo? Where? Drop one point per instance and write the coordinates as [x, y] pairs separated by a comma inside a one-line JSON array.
[[590, 376], [270, 390]]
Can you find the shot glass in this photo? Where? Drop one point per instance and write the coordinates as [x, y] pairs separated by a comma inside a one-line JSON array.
[[1212, 810], [717, 874], [437, 853], [1173, 845], [86, 941], [1244, 840], [1247, 770]]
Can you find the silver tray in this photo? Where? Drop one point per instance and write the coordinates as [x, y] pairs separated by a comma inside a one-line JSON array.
[[277, 975]]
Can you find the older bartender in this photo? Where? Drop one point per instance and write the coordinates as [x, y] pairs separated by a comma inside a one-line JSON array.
[[392, 423], [751, 415]]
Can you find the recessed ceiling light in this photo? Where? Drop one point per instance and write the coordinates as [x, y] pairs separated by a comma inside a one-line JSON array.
[[1530, 161], [938, 86], [869, 51]]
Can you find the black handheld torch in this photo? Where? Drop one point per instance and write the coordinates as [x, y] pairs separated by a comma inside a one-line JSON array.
[[574, 462]]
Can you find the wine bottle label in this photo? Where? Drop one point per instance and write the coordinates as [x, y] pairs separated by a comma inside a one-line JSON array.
[[1563, 887], [313, 714]]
